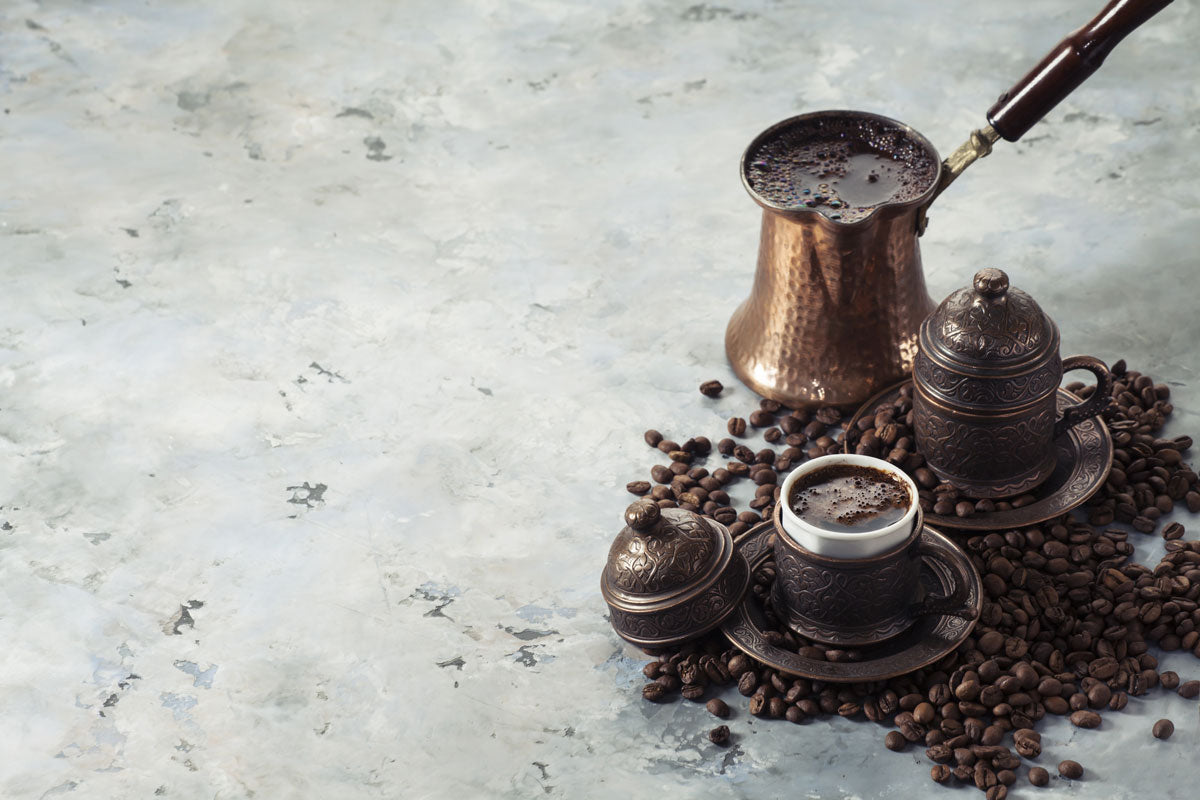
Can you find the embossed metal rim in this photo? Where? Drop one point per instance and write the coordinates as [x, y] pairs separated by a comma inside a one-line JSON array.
[[929, 640], [1084, 457]]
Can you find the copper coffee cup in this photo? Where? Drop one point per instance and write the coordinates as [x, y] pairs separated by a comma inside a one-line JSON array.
[[853, 600], [986, 379]]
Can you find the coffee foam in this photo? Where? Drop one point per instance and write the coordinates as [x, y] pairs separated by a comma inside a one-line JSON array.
[[850, 498], [843, 168]]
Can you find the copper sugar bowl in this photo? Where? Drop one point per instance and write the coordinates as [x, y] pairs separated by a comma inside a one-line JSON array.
[[671, 576], [986, 377]]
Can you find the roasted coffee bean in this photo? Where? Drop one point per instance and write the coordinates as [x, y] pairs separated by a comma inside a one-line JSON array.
[[654, 692], [940, 773], [1169, 680], [992, 734], [736, 426], [748, 682], [719, 735], [652, 437], [1085, 719], [999, 791], [1163, 729], [1189, 689], [669, 681], [762, 419], [711, 388], [895, 741], [1028, 743], [1038, 776], [692, 692], [1070, 769], [1173, 531], [940, 753], [849, 709]]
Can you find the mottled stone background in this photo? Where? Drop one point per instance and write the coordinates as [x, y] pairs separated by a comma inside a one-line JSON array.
[[332, 328]]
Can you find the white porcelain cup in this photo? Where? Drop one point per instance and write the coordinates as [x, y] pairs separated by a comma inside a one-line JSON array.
[[839, 544]]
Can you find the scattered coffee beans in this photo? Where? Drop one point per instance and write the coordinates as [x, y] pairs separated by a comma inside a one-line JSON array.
[[718, 708], [711, 388], [719, 735], [1068, 618]]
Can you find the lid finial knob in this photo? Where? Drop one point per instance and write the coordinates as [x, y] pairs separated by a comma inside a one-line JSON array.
[[991, 282], [642, 515]]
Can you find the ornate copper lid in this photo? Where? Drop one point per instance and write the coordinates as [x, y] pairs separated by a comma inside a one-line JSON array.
[[989, 325], [671, 575], [660, 551]]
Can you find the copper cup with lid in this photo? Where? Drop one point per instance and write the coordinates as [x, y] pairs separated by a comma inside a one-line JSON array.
[[986, 377], [671, 576]]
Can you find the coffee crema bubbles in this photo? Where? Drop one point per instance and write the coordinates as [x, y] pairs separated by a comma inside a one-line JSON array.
[[844, 171], [848, 498]]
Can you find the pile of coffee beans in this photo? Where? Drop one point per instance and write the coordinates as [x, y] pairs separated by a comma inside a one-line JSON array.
[[1067, 622]]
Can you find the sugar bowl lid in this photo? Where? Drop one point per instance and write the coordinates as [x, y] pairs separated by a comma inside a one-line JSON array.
[[671, 575], [989, 325]]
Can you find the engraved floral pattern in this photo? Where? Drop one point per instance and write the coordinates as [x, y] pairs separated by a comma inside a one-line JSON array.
[[687, 619], [1007, 327], [983, 452], [845, 604], [994, 393], [678, 550]]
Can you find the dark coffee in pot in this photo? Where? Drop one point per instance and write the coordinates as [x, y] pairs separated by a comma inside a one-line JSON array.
[[844, 169], [847, 498]]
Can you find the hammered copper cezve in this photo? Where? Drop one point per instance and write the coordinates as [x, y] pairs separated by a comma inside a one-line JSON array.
[[986, 377], [671, 576], [833, 315]]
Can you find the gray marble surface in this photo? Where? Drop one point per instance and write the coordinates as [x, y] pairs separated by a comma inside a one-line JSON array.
[[332, 330]]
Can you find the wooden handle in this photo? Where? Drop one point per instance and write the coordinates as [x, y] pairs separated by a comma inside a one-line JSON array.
[[1069, 64]]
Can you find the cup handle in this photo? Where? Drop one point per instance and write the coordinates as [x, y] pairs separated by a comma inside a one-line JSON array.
[[1095, 404], [945, 604]]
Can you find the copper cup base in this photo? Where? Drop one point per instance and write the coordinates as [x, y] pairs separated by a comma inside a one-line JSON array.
[[1004, 489], [840, 637]]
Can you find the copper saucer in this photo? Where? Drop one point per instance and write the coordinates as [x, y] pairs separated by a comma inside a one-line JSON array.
[[1084, 456], [929, 639]]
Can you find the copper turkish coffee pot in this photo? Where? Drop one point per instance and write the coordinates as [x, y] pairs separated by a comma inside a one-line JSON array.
[[835, 309]]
